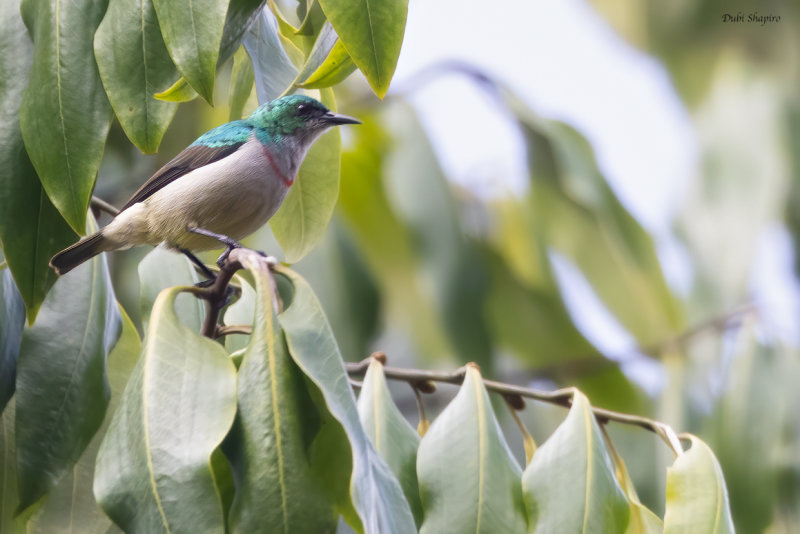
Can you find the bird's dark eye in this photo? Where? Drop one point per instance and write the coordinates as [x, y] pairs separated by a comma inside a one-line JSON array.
[[303, 109]]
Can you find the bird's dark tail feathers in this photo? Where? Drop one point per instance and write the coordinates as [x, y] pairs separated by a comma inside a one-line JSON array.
[[85, 249]]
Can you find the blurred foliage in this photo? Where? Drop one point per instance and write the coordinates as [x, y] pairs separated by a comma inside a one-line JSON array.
[[403, 261]]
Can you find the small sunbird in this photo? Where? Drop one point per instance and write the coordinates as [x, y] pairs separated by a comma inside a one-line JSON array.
[[218, 190]]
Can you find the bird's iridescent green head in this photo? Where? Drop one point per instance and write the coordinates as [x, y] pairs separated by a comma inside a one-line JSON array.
[[296, 115]]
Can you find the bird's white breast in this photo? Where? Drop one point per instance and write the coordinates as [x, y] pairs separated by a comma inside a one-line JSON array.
[[233, 196]]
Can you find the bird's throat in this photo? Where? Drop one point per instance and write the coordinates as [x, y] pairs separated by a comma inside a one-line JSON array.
[[286, 178]]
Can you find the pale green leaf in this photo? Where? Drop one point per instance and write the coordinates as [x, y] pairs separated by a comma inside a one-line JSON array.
[[303, 217], [697, 500], [180, 91], [468, 479], [571, 485], [241, 84], [161, 269], [393, 437], [153, 471], [274, 70], [376, 494]]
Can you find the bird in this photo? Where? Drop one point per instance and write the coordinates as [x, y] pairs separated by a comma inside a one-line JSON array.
[[218, 190]]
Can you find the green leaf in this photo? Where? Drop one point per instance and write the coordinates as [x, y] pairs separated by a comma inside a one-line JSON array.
[[328, 63], [303, 217], [72, 497], [274, 70], [697, 500], [419, 193], [193, 33], [468, 478], [241, 13], [277, 489], [574, 211], [134, 64], [372, 32], [241, 84], [65, 115], [336, 67], [161, 269], [377, 496], [62, 388], [394, 439], [571, 485], [31, 229], [12, 322], [153, 471], [179, 91], [9, 497]]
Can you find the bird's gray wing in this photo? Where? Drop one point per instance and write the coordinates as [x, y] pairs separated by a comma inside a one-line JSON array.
[[191, 158]]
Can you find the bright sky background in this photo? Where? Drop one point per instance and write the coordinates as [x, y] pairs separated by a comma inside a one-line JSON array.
[[568, 64]]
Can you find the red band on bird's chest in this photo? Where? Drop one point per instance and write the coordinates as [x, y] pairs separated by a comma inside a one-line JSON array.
[[285, 179]]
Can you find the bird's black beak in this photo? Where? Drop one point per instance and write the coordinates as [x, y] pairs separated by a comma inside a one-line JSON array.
[[338, 118]]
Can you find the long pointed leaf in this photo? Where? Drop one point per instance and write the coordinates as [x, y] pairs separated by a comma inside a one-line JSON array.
[[31, 229], [372, 32], [394, 439], [697, 500], [277, 489], [65, 114], [570, 485], [468, 479], [62, 388], [134, 64], [153, 471], [193, 32], [376, 493]]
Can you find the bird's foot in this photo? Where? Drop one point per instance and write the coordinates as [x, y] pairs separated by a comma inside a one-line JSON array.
[[230, 243], [206, 283]]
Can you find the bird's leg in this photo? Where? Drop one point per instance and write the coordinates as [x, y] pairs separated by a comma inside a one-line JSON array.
[[225, 240], [206, 271]]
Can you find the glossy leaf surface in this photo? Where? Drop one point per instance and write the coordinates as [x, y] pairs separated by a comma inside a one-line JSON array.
[[62, 388], [12, 322], [153, 471], [377, 496], [65, 114], [571, 485], [131, 79], [468, 479]]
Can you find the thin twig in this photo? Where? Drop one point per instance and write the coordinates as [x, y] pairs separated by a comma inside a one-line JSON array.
[[224, 330], [561, 397], [99, 204]]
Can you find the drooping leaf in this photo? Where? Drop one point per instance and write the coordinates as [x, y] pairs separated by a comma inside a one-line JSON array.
[[62, 388], [153, 471], [134, 64], [697, 500], [376, 494], [161, 269], [327, 61], [303, 217], [274, 71], [372, 32], [571, 485], [240, 15], [241, 84], [268, 444], [575, 212], [394, 439], [193, 33], [72, 497], [9, 497], [336, 67], [31, 229], [419, 193], [468, 479], [65, 115], [180, 91], [12, 322]]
